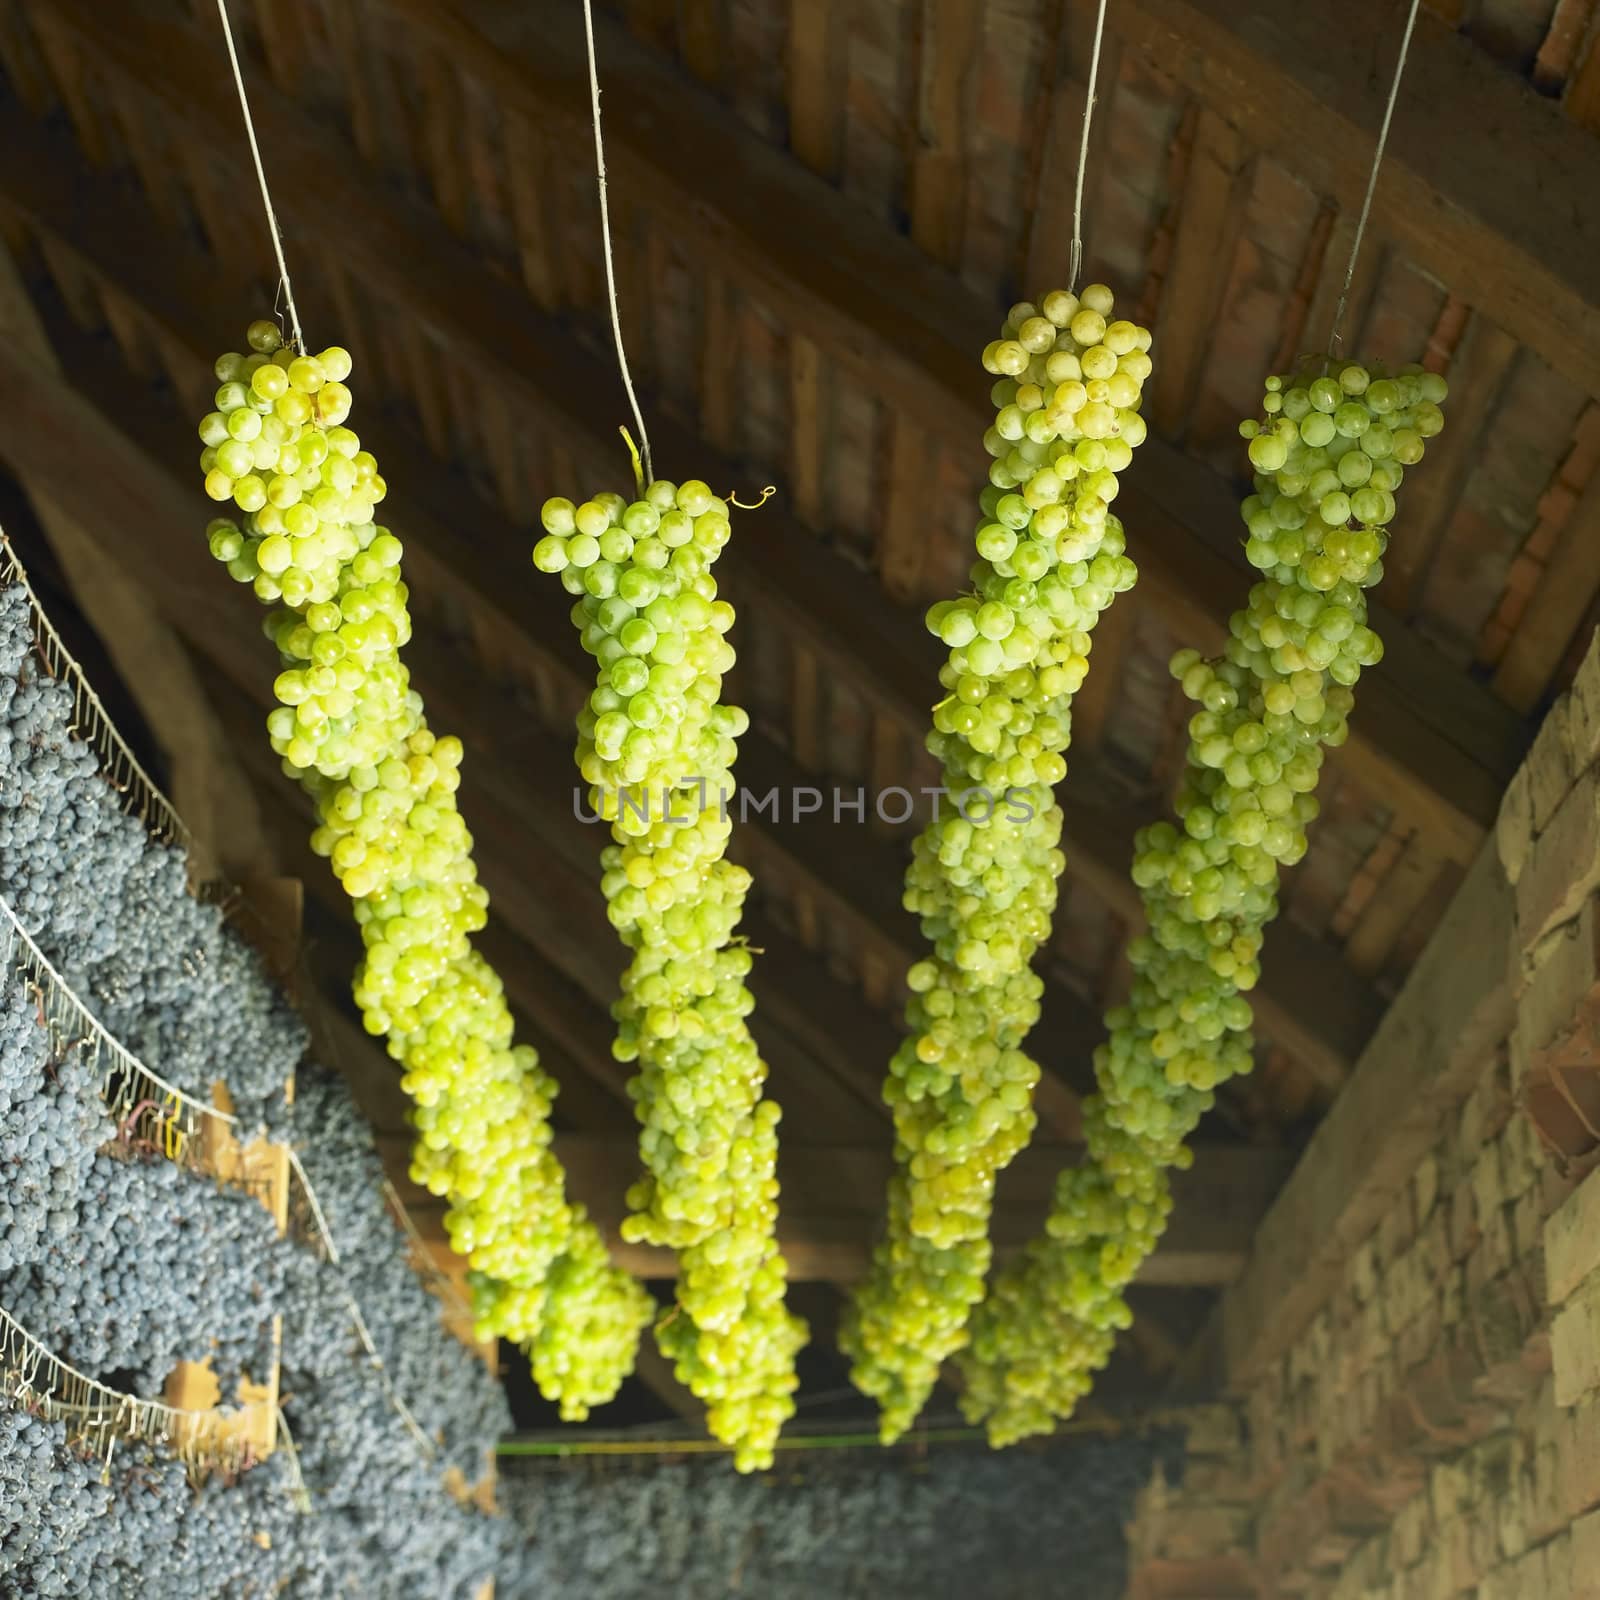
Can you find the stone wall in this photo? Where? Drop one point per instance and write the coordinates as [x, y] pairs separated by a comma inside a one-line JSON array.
[[1429, 1427]]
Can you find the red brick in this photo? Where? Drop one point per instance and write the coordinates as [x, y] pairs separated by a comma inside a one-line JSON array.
[[1221, 1578], [1195, 1532], [1563, 1131]]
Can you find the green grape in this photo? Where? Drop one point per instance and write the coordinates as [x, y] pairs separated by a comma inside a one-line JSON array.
[[740, 1363], [982, 881], [351, 730], [1279, 695], [657, 747]]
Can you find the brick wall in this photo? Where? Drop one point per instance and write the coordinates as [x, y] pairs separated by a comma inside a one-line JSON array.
[[1432, 1430]]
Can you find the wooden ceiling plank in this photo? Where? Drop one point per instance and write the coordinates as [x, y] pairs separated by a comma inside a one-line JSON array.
[[528, 165], [63, 54], [808, 430], [24, 69], [345, 37], [817, 42], [719, 359], [1301, 87], [1210, 217], [952, 32], [1387, 915], [702, 39], [903, 538], [1477, 377]]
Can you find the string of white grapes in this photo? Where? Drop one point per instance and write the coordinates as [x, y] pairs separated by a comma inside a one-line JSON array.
[[657, 748], [983, 877], [1329, 455], [352, 731]]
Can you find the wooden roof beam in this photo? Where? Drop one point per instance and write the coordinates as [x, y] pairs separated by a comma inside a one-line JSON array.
[[1487, 185]]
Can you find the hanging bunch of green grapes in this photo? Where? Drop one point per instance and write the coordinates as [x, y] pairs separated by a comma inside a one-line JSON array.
[[352, 731], [1329, 456], [982, 880], [657, 746]]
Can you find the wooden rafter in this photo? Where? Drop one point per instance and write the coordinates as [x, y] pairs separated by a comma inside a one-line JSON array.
[[1306, 86]]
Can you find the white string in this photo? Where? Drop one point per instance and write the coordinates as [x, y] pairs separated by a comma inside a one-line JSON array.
[[426, 1266], [115, 752], [261, 178], [363, 1333], [297, 1482], [1076, 261], [605, 238], [1372, 178], [35, 958], [21, 1358]]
